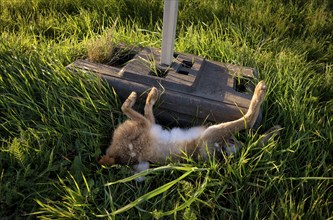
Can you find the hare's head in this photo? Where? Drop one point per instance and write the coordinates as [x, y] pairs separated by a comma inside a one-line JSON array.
[[120, 152], [129, 143]]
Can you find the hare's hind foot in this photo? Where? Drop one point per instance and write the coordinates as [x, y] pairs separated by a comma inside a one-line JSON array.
[[259, 93], [254, 108]]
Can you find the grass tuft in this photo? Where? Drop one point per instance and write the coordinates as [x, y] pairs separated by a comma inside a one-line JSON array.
[[101, 50]]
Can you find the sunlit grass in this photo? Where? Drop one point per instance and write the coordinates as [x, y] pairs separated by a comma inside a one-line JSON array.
[[54, 124]]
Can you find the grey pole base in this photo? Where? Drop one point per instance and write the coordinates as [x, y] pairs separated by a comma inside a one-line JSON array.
[[193, 90]]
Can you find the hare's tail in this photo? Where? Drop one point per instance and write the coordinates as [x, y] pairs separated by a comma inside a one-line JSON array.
[[272, 132]]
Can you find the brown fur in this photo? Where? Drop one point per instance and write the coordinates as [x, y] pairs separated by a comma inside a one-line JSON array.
[[139, 139]]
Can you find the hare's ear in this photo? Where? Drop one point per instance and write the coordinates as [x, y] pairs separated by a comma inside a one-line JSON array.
[[107, 161]]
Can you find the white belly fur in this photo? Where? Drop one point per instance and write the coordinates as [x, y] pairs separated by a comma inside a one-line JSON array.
[[173, 141]]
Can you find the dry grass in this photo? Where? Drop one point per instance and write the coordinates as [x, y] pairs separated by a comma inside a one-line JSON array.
[[102, 48]]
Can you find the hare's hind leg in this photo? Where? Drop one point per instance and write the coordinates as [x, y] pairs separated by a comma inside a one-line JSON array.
[[127, 109], [150, 101], [221, 132]]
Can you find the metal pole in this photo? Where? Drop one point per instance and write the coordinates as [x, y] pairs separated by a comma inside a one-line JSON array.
[[169, 31]]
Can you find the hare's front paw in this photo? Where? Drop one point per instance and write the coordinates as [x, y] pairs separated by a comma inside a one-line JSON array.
[[130, 101], [152, 96]]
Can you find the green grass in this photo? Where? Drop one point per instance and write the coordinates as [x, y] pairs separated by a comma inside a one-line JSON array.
[[54, 122]]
